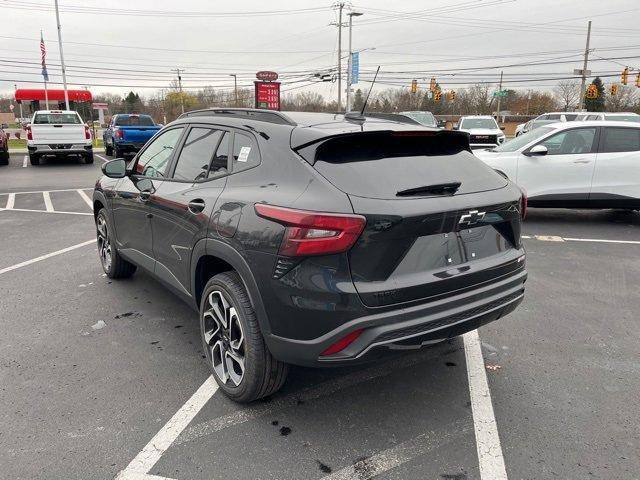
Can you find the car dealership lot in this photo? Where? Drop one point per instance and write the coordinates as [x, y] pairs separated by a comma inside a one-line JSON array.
[[92, 370]]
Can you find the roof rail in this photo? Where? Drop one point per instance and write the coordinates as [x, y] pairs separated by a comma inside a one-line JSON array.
[[270, 116]]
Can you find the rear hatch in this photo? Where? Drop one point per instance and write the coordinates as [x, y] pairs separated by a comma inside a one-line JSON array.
[[137, 128], [439, 221]]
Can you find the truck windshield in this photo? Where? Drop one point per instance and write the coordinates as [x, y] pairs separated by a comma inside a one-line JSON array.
[[137, 120], [469, 123], [56, 119]]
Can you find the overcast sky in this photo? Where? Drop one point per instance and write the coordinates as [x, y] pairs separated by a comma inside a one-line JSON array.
[[117, 46]]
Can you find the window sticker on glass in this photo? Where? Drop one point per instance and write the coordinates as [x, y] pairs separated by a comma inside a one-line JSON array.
[[244, 154]]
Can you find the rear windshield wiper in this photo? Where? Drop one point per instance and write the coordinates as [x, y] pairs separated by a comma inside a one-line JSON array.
[[436, 189]]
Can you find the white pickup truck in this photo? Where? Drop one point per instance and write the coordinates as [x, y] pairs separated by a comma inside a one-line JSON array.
[[58, 133]]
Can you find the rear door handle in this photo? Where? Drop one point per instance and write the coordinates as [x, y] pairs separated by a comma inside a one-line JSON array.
[[582, 161], [196, 206]]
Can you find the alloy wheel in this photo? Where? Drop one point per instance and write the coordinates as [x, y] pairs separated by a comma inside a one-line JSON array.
[[224, 337], [104, 245]]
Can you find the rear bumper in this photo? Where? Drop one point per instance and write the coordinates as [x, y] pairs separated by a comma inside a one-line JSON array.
[[61, 149], [129, 147], [408, 327]]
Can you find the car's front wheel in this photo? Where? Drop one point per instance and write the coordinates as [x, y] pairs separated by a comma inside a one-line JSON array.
[[235, 349], [112, 263]]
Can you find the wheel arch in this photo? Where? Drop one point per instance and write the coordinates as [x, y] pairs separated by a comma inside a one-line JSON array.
[[211, 257]]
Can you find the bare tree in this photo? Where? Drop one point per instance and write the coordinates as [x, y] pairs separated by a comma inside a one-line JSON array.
[[568, 93], [625, 100]]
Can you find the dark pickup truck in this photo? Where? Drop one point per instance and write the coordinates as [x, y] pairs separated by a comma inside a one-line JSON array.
[[127, 133]]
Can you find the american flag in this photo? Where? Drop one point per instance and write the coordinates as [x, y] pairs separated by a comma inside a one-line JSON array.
[[43, 51]]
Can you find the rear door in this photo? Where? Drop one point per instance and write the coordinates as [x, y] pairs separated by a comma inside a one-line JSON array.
[[565, 172], [616, 181], [182, 205], [423, 244]]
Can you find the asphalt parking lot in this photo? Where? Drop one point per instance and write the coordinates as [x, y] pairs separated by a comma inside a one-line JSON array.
[[102, 379]]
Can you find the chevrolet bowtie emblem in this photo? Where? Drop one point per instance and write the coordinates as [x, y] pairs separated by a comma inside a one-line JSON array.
[[471, 218]]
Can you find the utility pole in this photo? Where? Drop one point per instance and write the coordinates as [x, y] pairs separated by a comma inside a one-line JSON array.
[[499, 98], [583, 84], [64, 73], [340, 8], [235, 87], [178, 70], [349, 60], [15, 85]]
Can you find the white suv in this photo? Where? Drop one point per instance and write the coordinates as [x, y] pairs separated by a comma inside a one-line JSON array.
[[483, 131], [585, 164]]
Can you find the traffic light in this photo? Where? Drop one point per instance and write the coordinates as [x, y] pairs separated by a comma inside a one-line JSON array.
[[638, 81], [614, 89], [625, 76], [452, 95], [414, 86], [592, 91], [437, 95], [433, 84]]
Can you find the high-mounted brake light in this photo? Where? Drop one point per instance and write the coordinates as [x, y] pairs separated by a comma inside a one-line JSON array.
[[29, 133], [87, 133], [313, 233], [343, 343]]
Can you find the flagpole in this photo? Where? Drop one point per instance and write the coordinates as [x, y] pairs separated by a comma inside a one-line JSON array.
[[45, 75], [64, 74], [46, 95]]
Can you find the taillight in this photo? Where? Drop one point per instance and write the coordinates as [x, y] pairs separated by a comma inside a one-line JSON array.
[[341, 344], [312, 233], [523, 204], [119, 133], [29, 133], [87, 133]]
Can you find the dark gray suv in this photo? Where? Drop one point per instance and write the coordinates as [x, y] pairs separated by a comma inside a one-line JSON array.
[[313, 239]]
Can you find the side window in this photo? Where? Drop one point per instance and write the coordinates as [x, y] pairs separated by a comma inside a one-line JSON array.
[[220, 158], [621, 140], [245, 153], [195, 156], [575, 141], [153, 162], [553, 117]]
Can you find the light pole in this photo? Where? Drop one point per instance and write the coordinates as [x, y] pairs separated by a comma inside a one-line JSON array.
[[351, 15], [235, 87]]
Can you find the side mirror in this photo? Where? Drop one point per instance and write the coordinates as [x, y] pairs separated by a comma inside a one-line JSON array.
[[4, 125], [502, 128], [456, 126], [115, 168], [537, 151]]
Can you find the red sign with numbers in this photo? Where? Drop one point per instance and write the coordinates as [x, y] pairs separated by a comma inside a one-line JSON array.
[[268, 95]]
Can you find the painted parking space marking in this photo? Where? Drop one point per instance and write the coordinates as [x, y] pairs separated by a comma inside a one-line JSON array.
[[151, 453], [549, 238], [490, 458], [59, 212], [25, 161], [44, 257], [131, 475], [47, 201], [11, 200], [50, 191], [86, 198], [101, 157], [600, 240]]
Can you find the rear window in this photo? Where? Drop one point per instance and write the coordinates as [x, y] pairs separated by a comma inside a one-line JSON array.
[[621, 140], [56, 119], [134, 120], [489, 123], [623, 118], [381, 165]]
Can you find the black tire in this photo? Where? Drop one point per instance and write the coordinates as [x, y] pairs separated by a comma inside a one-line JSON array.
[[88, 157], [34, 159], [4, 157], [117, 153], [114, 265], [108, 149], [263, 375]]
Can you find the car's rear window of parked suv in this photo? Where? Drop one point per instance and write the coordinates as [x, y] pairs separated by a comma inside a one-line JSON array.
[[56, 119]]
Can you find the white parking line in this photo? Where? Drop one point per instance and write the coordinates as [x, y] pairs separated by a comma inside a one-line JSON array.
[[44, 257], [131, 475], [599, 240], [490, 457], [24, 161], [44, 211], [47, 201], [151, 453], [50, 191], [11, 201], [86, 198], [101, 157]]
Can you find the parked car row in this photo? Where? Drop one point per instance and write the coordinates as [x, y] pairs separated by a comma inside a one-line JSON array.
[[553, 117]]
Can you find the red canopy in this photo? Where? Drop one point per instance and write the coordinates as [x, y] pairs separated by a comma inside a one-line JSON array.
[[28, 94]]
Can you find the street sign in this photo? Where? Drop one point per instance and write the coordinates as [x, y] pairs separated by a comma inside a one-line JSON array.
[[500, 93], [578, 71], [355, 67], [268, 95], [267, 76], [99, 106]]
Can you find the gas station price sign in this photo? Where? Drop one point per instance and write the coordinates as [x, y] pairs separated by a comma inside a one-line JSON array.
[[268, 95]]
